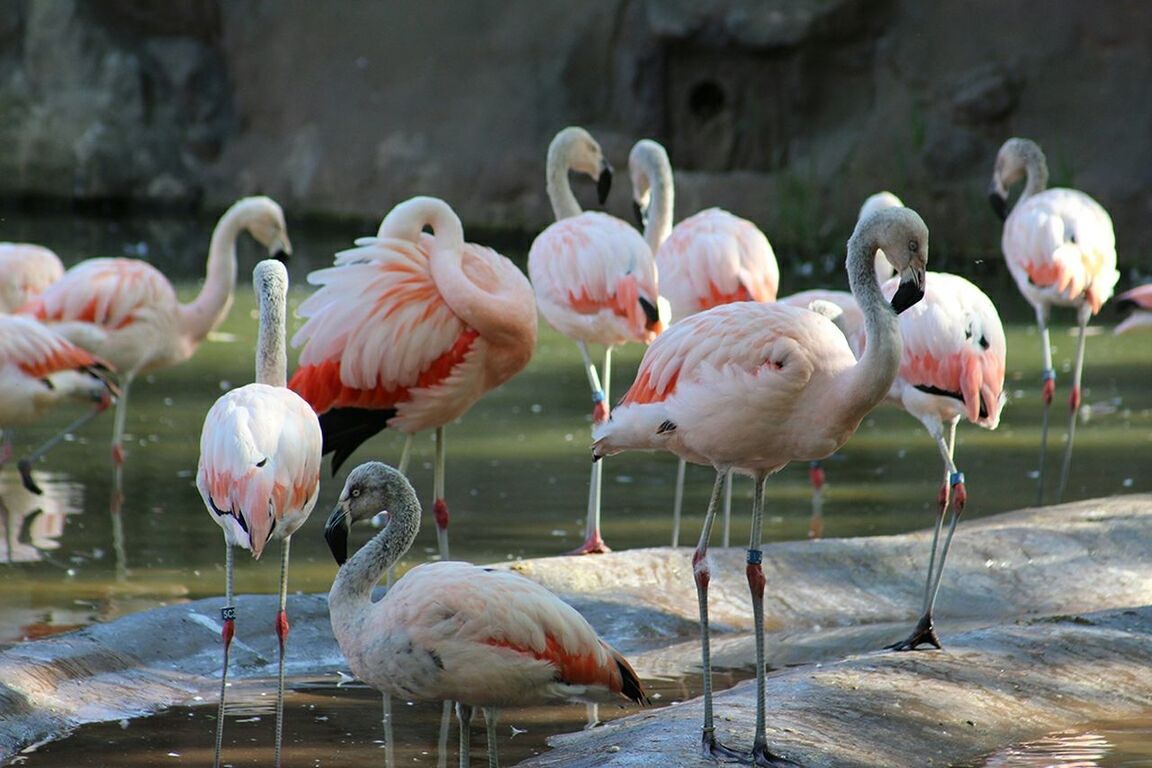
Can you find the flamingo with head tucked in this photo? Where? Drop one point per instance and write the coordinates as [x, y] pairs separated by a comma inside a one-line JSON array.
[[26, 270], [455, 631], [595, 282], [125, 311], [751, 387], [1061, 250], [259, 471]]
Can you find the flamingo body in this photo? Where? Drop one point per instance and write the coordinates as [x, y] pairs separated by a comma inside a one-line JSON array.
[[25, 271], [1139, 301]]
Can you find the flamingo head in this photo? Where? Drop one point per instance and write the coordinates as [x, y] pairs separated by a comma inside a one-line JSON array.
[[372, 489], [1013, 162], [265, 222], [903, 237]]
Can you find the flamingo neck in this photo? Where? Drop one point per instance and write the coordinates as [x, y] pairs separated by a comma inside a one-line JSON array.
[[358, 577], [564, 203], [1036, 170], [652, 162], [211, 305], [873, 374], [271, 281]]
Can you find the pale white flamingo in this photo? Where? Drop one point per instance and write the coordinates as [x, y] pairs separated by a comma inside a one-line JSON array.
[[1061, 251], [26, 270], [708, 259], [454, 631], [595, 282], [407, 331], [259, 472], [1138, 302], [126, 312], [39, 369], [751, 387]]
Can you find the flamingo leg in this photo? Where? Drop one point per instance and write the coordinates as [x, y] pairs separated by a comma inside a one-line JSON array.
[[490, 718], [464, 715], [1083, 314], [1048, 377], [593, 541], [726, 539], [816, 521], [25, 464], [439, 505], [228, 616], [678, 501], [121, 420], [386, 699], [389, 740], [282, 635]]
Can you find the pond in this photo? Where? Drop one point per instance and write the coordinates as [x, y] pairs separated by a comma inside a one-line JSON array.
[[517, 467]]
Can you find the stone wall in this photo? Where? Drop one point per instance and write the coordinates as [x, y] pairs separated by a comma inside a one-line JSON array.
[[786, 111]]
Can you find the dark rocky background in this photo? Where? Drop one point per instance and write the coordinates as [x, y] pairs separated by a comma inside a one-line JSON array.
[[788, 112]]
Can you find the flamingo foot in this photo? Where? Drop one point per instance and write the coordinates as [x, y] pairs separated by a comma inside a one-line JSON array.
[[761, 756], [924, 633], [25, 468], [593, 545], [816, 529], [117, 454], [710, 746]]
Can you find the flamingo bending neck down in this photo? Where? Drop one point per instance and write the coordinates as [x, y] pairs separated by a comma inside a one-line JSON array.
[[595, 282], [40, 369], [751, 387], [25, 271], [408, 331], [126, 312], [708, 259], [455, 631], [1061, 250], [259, 472]]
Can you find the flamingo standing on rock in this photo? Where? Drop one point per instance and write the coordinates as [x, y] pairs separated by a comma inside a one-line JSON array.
[[1061, 251], [259, 471], [450, 630], [26, 270], [39, 369], [126, 312], [708, 259], [595, 282], [407, 331], [1137, 301], [751, 387]]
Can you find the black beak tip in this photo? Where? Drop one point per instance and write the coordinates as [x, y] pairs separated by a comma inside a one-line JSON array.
[[281, 256], [999, 205], [604, 184], [638, 213], [906, 296], [336, 534]]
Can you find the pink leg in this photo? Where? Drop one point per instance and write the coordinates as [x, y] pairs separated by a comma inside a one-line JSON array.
[[1049, 379], [439, 505], [816, 521], [282, 636], [1084, 313], [228, 616], [593, 541]]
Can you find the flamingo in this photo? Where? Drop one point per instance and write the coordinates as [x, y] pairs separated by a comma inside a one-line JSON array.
[[1061, 251], [455, 631], [1139, 301], [39, 369], [595, 282], [259, 471], [708, 259], [751, 387], [25, 271], [126, 312], [408, 331]]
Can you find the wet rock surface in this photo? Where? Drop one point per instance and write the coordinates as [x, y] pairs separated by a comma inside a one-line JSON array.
[[1044, 615]]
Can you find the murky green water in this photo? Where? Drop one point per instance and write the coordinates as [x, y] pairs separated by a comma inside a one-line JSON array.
[[517, 463]]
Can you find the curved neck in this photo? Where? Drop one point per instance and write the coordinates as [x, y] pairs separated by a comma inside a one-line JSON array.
[[652, 162], [357, 577], [1036, 171], [407, 220], [564, 203], [271, 351], [211, 305], [873, 374]]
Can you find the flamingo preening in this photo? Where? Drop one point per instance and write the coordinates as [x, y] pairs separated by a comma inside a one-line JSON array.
[[259, 471], [26, 270], [454, 631], [1061, 250], [751, 387], [595, 282]]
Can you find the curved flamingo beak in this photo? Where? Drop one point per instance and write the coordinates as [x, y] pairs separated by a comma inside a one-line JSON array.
[[336, 533], [604, 182], [911, 289]]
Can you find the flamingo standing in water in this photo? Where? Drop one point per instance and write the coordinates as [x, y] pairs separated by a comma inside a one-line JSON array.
[[259, 472], [1138, 301], [751, 387], [1061, 251], [595, 282], [39, 369], [708, 259], [455, 631], [407, 331], [25, 271], [126, 312]]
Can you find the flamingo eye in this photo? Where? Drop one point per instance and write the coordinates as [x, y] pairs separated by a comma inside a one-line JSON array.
[[355, 493], [913, 246]]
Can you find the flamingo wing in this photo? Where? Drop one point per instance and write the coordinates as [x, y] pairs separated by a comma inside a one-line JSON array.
[[25, 271], [715, 258], [259, 471], [595, 280], [954, 346], [111, 293]]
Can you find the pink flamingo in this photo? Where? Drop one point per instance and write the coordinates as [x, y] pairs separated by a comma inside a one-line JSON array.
[[126, 312], [407, 331], [595, 282], [455, 631], [39, 369], [708, 259], [259, 472], [751, 387], [1061, 250], [25, 271], [1139, 301]]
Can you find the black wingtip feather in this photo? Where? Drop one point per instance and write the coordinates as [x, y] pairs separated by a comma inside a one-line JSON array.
[[346, 429], [632, 688]]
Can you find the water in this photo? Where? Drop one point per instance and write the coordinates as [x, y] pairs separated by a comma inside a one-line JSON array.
[[517, 463], [1121, 744]]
